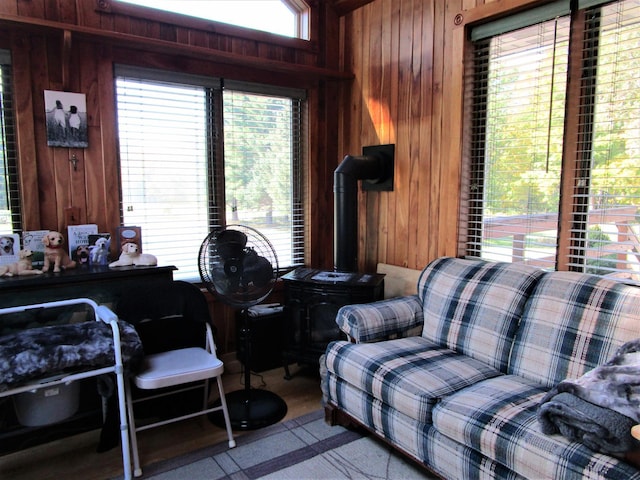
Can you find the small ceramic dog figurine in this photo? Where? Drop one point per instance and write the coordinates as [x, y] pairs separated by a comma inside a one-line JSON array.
[[21, 267], [130, 256], [55, 254]]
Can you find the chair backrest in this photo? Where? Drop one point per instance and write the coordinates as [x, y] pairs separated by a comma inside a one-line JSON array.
[[167, 316]]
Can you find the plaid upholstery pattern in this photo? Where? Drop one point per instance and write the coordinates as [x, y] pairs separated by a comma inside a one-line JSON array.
[[473, 306], [497, 418], [380, 320], [408, 374], [408, 434], [417, 439], [573, 323], [455, 461]]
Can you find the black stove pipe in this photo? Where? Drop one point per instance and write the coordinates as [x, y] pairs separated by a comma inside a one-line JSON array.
[[345, 194]]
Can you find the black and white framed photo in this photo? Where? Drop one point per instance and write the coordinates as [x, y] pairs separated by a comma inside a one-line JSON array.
[[66, 115]]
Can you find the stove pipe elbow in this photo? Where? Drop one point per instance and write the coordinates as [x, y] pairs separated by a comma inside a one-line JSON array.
[[345, 191]]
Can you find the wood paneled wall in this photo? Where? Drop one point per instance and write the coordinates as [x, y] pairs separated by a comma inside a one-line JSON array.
[[407, 58], [72, 45], [390, 71]]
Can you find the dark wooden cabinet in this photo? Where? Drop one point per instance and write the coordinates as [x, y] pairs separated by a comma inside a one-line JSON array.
[[99, 283], [312, 300]]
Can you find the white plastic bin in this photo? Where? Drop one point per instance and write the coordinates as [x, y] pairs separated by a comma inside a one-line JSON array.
[[47, 405]]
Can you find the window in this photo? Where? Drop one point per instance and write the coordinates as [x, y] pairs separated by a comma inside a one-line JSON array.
[[554, 176], [10, 215], [194, 156], [283, 17]]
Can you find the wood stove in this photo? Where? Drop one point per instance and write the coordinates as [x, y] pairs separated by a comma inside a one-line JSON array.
[[312, 300]]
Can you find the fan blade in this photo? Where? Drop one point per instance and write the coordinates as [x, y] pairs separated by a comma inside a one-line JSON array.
[[257, 270]]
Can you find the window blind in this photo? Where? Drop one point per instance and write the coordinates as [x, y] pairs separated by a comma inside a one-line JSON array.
[[166, 150], [517, 130], [263, 184], [519, 136], [10, 211], [193, 158], [604, 227]]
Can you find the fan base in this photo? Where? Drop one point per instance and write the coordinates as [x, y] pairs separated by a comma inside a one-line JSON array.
[[251, 409]]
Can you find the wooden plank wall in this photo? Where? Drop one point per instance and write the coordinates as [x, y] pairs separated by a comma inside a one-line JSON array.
[[99, 37], [407, 58]]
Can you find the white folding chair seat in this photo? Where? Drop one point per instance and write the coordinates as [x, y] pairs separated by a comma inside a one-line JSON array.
[[177, 367]]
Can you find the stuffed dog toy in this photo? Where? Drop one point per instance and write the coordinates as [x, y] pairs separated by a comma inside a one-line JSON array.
[[55, 254], [21, 267], [130, 256]]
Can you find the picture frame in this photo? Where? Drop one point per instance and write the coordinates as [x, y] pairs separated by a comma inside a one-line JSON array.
[[9, 248], [66, 119]]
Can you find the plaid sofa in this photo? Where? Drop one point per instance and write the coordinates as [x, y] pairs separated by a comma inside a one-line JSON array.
[[461, 395]]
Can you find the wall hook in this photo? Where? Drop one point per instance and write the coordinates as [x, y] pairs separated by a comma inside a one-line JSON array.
[[74, 161]]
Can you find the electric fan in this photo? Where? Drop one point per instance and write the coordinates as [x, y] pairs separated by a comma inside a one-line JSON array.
[[239, 265]]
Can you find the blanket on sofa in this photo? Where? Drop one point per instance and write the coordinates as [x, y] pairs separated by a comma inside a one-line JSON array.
[[599, 408]]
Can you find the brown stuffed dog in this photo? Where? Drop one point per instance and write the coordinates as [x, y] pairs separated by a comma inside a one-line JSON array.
[[54, 253], [21, 267]]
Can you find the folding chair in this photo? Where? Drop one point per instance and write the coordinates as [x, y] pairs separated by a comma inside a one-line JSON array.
[[168, 319]]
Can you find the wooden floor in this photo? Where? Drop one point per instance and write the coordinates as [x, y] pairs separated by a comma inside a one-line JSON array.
[[76, 458]]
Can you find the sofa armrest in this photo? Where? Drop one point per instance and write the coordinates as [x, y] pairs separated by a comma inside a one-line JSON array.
[[369, 322]]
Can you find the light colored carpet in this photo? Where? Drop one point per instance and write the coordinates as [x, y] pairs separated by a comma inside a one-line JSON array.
[[302, 448]]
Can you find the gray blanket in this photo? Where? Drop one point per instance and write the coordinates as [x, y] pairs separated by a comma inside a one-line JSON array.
[[42, 352], [599, 408]]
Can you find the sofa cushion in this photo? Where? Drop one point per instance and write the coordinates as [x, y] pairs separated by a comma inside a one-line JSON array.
[[573, 323], [473, 306], [409, 374], [497, 418]]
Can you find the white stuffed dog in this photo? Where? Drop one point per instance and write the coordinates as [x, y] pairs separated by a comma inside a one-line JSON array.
[[130, 256]]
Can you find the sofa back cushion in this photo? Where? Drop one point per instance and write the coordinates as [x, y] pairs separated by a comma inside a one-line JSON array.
[[572, 323], [474, 306]]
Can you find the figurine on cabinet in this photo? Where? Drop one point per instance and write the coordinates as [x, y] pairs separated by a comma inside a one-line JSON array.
[[21, 267], [55, 254], [130, 256]]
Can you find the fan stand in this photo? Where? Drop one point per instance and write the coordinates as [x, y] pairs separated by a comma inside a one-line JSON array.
[[250, 409]]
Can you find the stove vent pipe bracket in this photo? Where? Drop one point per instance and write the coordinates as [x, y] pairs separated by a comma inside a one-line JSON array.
[[375, 168], [386, 159]]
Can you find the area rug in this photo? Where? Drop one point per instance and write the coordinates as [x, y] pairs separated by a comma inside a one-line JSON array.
[[302, 448]]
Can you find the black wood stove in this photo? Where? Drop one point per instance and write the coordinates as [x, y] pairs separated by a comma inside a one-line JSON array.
[[312, 300]]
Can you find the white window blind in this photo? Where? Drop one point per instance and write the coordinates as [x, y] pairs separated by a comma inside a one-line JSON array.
[[605, 228], [262, 174], [517, 143], [10, 213], [518, 208], [164, 160], [176, 182]]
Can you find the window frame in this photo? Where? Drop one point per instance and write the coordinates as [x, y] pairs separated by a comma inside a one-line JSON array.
[[215, 156], [300, 8], [579, 103]]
